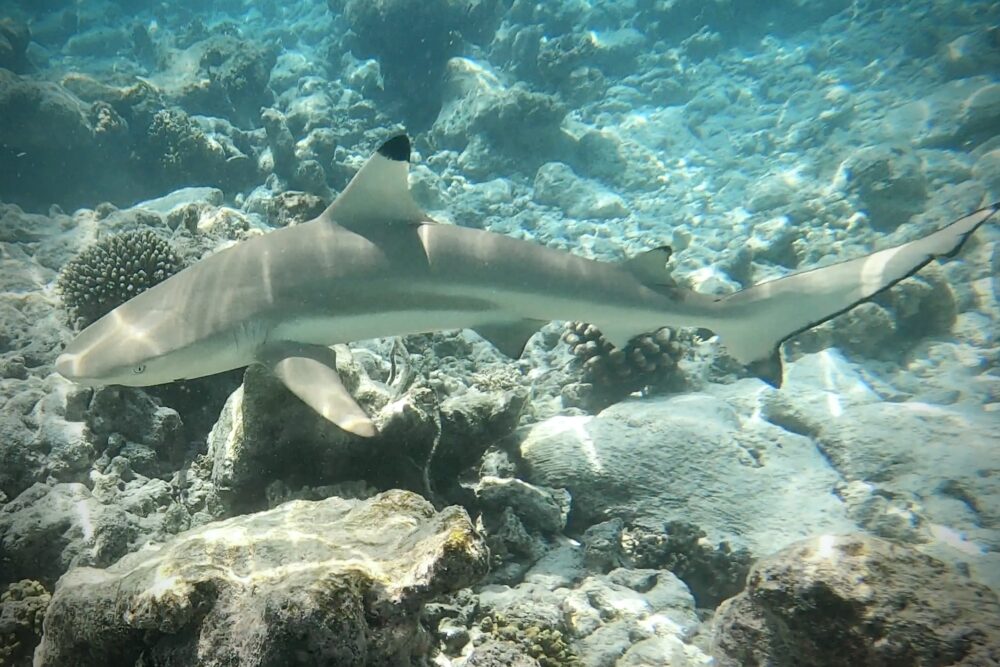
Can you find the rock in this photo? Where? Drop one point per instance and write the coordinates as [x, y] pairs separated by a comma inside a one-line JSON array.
[[987, 171], [540, 508], [602, 546], [693, 457], [890, 185], [329, 582], [37, 439], [47, 130], [280, 141], [611, 52], [659, 651], [557, 185], [973, 53], [124, 418], [47, 530], [981, 112], [14, 39], [960, 114], [265, 433], [940, 480], [20, 227], [177, 152], [474, 420], [291, 207], [859, 600], [773, 241], [237, 72], [170, 204], [98, 42]]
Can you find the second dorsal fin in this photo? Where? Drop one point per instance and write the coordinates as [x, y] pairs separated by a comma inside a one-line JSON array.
[[380, 192], [650, 267]]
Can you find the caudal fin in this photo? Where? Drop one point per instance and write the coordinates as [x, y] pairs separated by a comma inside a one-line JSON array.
[[755, 321]]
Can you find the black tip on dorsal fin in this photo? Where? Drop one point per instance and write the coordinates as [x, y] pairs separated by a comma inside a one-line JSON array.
[[397, 148]]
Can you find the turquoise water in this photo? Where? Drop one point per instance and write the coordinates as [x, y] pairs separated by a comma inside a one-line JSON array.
[[609, 487]]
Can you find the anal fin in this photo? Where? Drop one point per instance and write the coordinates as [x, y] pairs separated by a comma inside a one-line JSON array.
[[650, 266], [310, 372], [509, 337]]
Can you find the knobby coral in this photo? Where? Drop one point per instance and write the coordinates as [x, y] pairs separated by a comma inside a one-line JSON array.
[[112, 271]]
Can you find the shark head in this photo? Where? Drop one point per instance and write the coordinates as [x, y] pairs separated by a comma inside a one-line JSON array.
[[119, 349]]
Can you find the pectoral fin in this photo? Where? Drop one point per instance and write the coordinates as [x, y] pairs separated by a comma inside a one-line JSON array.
[[310, 372]]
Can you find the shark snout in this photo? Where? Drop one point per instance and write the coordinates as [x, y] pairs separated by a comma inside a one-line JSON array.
[[72, 367]]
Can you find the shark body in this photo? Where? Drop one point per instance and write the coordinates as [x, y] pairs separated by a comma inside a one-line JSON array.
[[374, 265]]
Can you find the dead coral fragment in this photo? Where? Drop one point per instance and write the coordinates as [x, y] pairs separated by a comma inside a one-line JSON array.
[[22, 609], [546, 645]]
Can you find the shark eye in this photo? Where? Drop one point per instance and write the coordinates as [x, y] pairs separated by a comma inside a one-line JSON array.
[[141, 368]]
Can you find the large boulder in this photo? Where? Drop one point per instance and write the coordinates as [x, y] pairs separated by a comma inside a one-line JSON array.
[[308, 583], [267, 435], [695, 457], [857, 600], [917, 471]]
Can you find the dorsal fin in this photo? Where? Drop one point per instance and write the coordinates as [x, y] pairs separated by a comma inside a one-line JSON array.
[[650, 267], [380, 192]]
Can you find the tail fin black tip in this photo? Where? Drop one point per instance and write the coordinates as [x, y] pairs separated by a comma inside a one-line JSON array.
[[397, 148]]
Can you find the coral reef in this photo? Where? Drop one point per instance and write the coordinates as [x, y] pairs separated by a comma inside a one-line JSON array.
[[336, 581], [855, 599], [112, 271], [755, 139], [179, 153]]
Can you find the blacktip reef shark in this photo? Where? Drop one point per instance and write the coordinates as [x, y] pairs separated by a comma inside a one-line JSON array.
[[374, 264]]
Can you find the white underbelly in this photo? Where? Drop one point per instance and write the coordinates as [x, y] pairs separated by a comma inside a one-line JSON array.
[[328, 330]]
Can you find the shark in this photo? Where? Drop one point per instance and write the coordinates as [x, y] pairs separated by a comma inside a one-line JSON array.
[[374, 264]]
